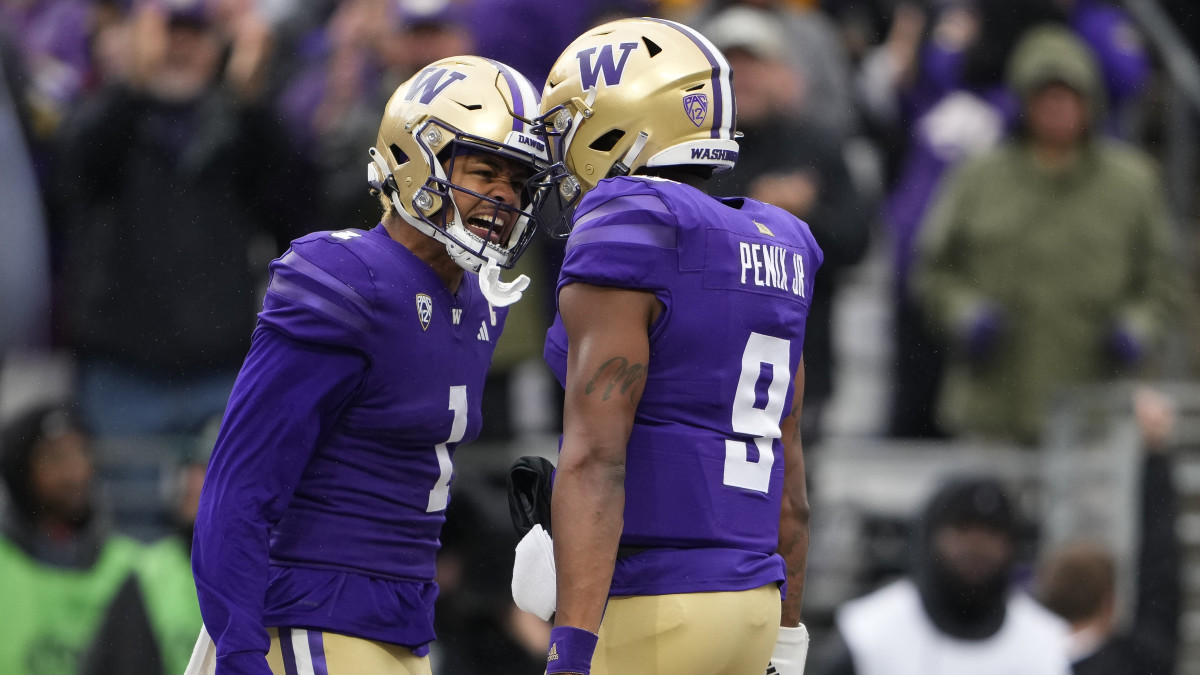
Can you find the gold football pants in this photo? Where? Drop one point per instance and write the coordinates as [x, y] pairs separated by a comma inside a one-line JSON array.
[[295, 651], [727, 633]]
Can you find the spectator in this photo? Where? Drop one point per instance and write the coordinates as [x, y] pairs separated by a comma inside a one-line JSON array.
[[813, 49], [1046, 262], [172, 179], [794, 164], [331, 105], [958, 611], [150, 626], [59, 564], [935, 102], [1078, 581]]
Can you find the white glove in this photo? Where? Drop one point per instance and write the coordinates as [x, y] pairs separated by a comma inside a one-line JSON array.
[[791, 649], [533, 583]]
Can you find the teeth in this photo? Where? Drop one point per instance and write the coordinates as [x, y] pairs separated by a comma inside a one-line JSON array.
[[487, 221]]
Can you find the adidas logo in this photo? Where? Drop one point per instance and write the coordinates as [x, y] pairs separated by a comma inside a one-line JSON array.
[[553, 655], [483, 332]]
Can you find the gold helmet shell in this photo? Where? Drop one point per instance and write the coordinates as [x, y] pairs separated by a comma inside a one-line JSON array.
[[637, 93], [462, 103]]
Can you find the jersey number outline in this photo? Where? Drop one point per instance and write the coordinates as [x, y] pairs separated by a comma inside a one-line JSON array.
[[439, 496], [747, 418]]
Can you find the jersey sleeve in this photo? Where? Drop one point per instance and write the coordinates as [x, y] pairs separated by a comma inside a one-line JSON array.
[[320, 292], [622, 233], [286, 398]]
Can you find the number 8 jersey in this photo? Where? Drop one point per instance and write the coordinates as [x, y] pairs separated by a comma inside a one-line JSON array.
[[704, 467]]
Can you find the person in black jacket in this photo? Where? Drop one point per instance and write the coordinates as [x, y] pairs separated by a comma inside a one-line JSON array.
[[1078, 581], [170, 178]]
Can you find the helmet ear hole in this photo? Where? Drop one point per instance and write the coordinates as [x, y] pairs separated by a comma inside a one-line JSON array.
[[651, 47], [608, 140], [398, 154]]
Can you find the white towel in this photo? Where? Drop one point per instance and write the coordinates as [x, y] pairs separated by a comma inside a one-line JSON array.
[[533, 584], [204, 656]]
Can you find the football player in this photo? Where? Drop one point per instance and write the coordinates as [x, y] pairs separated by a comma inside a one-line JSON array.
[[679, 508], [326, 494]]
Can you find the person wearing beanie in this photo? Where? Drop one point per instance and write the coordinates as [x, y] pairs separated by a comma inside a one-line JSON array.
[[59, 564], [958, 611], [1047, 262]]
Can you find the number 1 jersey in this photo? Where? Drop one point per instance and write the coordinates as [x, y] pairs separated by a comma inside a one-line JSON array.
[[327, 490]]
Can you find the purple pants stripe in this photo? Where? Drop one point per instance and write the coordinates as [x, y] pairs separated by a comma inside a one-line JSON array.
[[316, 645], [289, 654]]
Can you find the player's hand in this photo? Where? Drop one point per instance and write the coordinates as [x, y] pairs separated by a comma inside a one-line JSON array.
[[791, 650]]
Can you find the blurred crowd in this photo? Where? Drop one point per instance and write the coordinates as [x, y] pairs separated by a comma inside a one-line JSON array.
[[1003, 156]]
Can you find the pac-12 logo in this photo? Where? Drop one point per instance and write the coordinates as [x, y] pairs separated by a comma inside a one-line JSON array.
[[606, 64], [696, 106], [429, 84], [424, 310]]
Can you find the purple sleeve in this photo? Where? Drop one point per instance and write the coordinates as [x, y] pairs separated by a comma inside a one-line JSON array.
[[621, 231], [325, 303], [286, 397]]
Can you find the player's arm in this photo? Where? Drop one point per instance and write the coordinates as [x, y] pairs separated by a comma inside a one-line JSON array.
[[285, 397], [791, 647], [608, 333], [793, 516]]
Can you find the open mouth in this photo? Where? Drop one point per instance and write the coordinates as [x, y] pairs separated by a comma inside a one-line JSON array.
[[487, 227]]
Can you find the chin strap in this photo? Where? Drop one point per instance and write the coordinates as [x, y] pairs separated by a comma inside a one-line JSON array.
[[500, 293]]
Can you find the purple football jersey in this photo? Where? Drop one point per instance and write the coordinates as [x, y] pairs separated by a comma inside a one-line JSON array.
[[327, 489], [704, 461]]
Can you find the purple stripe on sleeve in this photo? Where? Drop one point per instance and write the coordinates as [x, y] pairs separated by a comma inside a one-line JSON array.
[[289, 654], [302, 296], [295, 261], [626, 203], [716, 75], [660, 236], [316, 646]]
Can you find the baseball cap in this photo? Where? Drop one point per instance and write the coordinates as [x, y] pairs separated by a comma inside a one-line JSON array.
[[753, 30]]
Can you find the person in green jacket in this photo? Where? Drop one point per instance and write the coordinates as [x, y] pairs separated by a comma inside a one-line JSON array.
[[151, 625], [1048, 261], [59, 565]]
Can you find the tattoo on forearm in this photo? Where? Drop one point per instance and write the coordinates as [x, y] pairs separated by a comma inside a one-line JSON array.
[[616, 373]]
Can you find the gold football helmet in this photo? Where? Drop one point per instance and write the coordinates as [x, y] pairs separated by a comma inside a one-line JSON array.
[[631, 94], [462, 104]]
